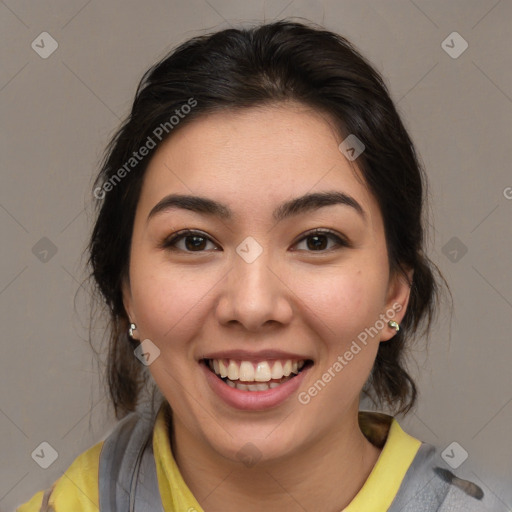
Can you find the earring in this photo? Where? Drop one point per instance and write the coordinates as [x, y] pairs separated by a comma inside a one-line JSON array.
[[394, 325], [131, 329]]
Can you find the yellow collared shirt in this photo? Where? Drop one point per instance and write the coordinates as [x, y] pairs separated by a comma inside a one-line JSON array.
[[77, 489]]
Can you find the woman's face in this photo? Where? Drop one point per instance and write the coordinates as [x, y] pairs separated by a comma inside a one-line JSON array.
[[253, 292]]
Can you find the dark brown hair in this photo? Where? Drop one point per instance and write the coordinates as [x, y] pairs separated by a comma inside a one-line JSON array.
[[242, 68]]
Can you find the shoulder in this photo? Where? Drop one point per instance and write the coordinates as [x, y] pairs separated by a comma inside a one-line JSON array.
[[422, 477], [76, 489], [430, 486], [468, 496]]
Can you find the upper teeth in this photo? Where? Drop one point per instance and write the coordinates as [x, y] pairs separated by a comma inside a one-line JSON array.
[[248, 371]]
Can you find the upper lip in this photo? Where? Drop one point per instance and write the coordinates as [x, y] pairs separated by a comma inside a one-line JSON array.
[[262, 355]]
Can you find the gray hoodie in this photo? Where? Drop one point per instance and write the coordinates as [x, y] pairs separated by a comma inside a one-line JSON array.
[[128, 480]]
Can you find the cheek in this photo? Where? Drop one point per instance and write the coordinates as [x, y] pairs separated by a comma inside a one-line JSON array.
[[343, 300], [168, 302], [342, 306]]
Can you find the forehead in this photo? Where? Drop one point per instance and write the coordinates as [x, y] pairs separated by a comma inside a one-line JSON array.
[[253, 159]]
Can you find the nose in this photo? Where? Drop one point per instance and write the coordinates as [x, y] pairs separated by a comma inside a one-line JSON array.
[[255, 295]]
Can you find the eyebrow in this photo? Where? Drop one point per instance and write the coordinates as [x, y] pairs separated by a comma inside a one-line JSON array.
[[299, 205]]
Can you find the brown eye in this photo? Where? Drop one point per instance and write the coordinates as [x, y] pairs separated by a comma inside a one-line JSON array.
[[187, 241], [193, 242], [318, 241]]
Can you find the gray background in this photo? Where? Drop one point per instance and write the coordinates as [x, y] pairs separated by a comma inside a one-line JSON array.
[[59, 112]]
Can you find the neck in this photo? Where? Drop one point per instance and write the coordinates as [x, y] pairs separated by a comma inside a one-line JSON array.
[[331, 471]]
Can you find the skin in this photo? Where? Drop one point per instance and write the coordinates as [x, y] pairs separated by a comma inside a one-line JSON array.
[[292, 297]]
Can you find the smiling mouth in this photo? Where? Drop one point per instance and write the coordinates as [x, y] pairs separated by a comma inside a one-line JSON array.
[[261, 376]]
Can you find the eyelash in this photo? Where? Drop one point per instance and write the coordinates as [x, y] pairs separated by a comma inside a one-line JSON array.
[[170, 242]]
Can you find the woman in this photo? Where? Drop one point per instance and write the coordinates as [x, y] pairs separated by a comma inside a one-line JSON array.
[[259, 244]]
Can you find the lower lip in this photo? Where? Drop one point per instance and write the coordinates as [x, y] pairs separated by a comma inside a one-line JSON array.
[[253, 400]]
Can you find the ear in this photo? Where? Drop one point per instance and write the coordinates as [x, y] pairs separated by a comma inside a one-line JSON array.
[[127, 299], [397, 299]]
